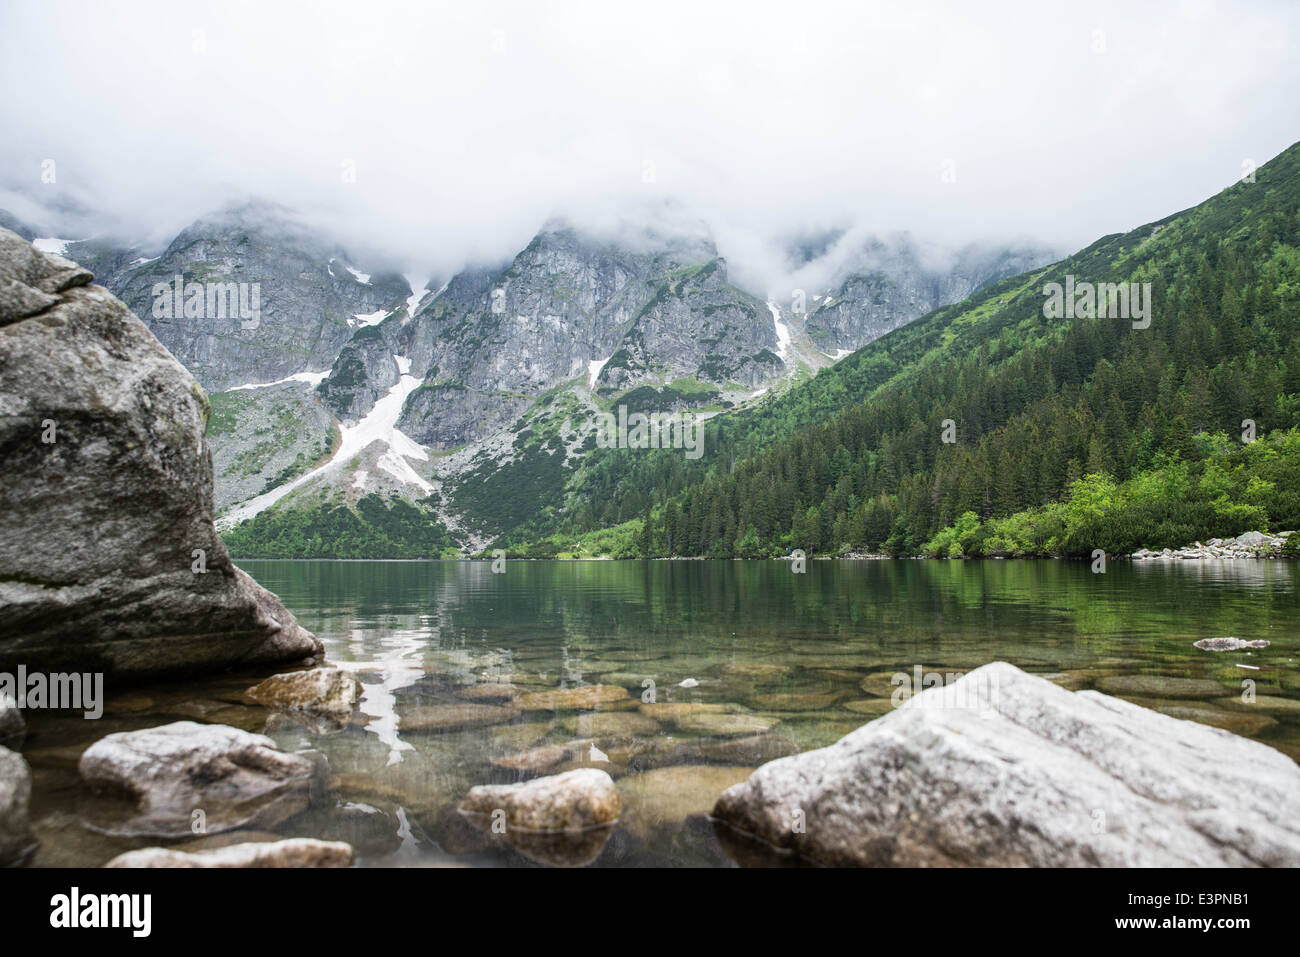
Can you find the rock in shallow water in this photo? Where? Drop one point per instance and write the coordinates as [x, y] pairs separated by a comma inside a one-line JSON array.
[[1228, 644], [581, 698], [296, 852], [435, 718], [15, 796], [325, 691], [236, 779], [1160, 686], [727, 724], [658, 802], [1006, 769], [103, 430], [571, 801], [561, 821]]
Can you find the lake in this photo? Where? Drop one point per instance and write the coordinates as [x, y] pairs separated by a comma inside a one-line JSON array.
[[774, 662]]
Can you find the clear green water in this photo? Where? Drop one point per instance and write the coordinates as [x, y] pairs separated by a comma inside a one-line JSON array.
[[788, 652]]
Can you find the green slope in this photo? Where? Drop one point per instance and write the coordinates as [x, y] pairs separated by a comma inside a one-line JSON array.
[[853, 458]]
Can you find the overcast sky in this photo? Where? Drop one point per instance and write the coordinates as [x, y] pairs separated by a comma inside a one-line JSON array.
[[467, 124]]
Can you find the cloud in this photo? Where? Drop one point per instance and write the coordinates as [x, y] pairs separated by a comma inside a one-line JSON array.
[[467, 126]]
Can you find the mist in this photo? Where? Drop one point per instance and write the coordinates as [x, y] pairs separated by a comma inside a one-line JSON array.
[[440, 134]]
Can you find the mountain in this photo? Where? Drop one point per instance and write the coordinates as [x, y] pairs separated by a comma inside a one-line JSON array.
[[889, 281], [1068, 432], [471, 404], [613, 317], [311, 298]]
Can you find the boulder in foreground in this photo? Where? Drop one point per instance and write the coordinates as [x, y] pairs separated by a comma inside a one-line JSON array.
[[1002, 768], [108, 557], [234, 778]]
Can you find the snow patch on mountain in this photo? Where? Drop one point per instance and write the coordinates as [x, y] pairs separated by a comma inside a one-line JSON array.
[[593, 370], [420, 290], [379, 425], [49, 244], [785, 342], [311, 378]]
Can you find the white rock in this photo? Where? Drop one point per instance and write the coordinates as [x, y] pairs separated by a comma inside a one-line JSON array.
[[295, 852], [1002, 768]]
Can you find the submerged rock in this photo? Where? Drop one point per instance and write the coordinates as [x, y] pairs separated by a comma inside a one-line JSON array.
[[325, 691], [661, 800], [234, 778], [795, 701], [750, 750], [597, 724], [755, 670], [672, 712], [583, 698], [1002, 768], [1228, 644], [15, 796], [489, 693], [295, 852], [569, 756], [872, 706], [102, 429], [714, 723], [575, 800], [1237, 723], [435, 718], [1160, 686], [1273, 704]]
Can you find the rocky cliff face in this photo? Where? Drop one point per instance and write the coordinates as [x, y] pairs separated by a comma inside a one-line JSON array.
[[607, 316], [108, 556], [311, 300], [890, 281]]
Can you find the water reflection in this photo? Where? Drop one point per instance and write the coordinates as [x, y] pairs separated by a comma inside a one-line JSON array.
[[467, 676]]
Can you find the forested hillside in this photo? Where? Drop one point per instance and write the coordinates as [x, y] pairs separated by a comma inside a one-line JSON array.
[[853, 459]]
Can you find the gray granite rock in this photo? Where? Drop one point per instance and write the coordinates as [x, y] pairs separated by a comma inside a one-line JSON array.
[[108, 557], [1002, 768], [231, 778]]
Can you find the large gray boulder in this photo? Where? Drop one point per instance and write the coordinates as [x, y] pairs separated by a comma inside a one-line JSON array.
[[15, 798], [1002, 768], [185, 778], [108, 557]]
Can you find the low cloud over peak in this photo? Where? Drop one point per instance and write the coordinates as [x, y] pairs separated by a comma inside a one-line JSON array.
[[437, 135]]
